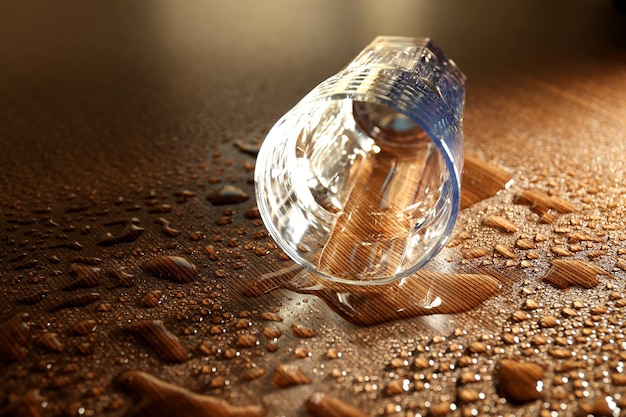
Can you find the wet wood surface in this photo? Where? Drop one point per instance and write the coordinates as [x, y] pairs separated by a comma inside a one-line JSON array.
[[137, 278]]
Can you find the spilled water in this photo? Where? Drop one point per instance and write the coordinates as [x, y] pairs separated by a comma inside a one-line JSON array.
[[423, 293]]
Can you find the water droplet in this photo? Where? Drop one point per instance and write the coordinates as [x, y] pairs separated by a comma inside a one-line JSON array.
[[602, 406], [531, 304], [548, 322], [197, 236], [583, 237], [130, 233], [246, 341], [53, 259], [333, 353], [469, 377], [26, 265], [33, 298], [272, 332], [477, 347], [252, 213], [505, 251], [302, 331], [27, 405], [209, 349], [78, 300], [266, 315], [164, 343], [173, 268], [519, 316], [84, 327], [228, 194], [286, 376], [481, 180], [77, 208], [152, 299], [396, 387], [14, 334], [324, 405], [475, 253], [560, 353], [157, 398], [500, 223], [18, 258], [541, 202], [160, 209], [124, 279], [86, 277], [302, 352], [566, 273], [618, 379], [251, 148], [87, 260], [525, 244], [441, 409], [166, 228], [468, 395], [51, 341], [252, 374], [68, 245], [558, 251], [520, 382], [598, 310], [183, 195]]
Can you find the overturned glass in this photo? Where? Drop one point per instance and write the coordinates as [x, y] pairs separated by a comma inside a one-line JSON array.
[[360, 181]]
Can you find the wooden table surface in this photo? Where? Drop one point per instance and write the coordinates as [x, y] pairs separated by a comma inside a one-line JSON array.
[[126, 291]]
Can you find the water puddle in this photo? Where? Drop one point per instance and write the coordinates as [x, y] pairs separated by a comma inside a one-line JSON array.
[[424, 293]]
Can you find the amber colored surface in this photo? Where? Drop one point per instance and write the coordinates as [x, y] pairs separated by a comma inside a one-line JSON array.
[[129, 236]]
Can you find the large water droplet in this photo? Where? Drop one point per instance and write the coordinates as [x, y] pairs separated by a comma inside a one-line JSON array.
[[166, 344], [173, 268], [158, 398], [520, 382]]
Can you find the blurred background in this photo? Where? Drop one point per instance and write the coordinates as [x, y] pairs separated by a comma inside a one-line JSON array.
[[97, 76]]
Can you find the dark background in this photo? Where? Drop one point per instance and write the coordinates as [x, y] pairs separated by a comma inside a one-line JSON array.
[[104, 82]]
